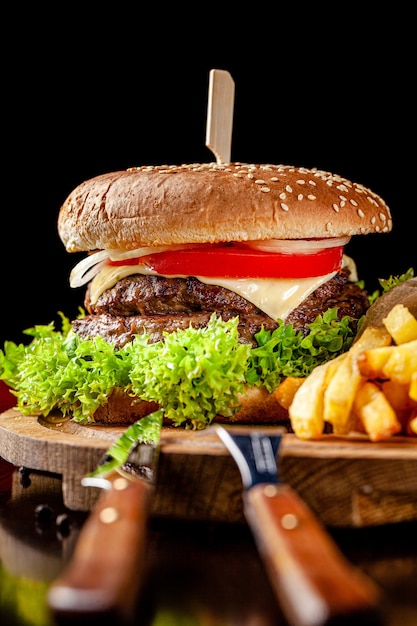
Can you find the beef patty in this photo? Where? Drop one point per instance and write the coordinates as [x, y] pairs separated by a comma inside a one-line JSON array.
[[154, 304]]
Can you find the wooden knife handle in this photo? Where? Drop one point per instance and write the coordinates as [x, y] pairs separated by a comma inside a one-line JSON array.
[[314, 582], [105, 571]]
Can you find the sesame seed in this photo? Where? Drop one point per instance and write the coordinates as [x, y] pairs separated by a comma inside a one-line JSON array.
[[361, 213], [335, 207], [312, 182], [352, 201], [283, 196], [265, 189], [288, 188], [300, 196], [274, 179], [284, 206], [382, 217], [300, 181], [311, 197], [259, 181]]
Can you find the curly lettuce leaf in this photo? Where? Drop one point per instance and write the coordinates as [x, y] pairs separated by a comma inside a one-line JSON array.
[[388, 283], [193, 374], [60, 370], [286, 352]]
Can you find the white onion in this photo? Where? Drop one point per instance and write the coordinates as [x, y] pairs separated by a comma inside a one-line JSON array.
[[118, 255], [89, 267], [86, 269], [296, 246]]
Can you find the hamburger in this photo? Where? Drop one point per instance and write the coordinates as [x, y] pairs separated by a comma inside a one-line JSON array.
[[246, 258]]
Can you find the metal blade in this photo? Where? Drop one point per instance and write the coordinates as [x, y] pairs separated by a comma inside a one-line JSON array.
[[143, 461], [255, 455]]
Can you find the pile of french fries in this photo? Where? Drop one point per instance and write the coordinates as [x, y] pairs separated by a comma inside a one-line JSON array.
[[372, 388]]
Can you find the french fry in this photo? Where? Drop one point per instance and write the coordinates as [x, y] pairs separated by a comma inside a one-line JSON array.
[[398, 395], [399, 398], [413, 387], [375, 412], [286, 390], [371, 362], [401, 324], [393, 362], [372, 388], [412, 423], [402, 363], [342, 386], [306, 409]]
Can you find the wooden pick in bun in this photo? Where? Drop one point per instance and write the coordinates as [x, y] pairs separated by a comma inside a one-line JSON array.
[[206, 285]]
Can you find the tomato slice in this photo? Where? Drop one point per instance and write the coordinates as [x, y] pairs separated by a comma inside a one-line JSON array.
[[238, 262]]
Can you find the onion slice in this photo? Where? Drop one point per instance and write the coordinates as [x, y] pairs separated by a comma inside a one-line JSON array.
[[295, 246], [89, 267], [86, 269]]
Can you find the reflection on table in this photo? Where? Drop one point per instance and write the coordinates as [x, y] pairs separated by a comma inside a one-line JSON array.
[[196, 572]]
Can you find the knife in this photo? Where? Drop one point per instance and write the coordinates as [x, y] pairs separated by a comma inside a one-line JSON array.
[[313, 581], [103, 577]]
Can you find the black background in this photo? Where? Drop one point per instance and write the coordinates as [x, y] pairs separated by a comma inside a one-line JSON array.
[[84, 95]]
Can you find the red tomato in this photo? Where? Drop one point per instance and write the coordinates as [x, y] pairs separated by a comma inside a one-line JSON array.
[[235, 262]]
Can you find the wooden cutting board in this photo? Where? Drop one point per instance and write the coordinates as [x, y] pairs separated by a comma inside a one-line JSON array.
[[347, 481]]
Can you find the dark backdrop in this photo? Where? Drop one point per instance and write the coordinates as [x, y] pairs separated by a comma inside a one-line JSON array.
[[83, 97]]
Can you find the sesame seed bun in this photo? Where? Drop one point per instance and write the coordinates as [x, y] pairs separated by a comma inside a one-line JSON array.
[[209, 203]]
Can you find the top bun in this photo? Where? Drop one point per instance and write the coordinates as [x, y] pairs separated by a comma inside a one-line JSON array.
[[211, 203]]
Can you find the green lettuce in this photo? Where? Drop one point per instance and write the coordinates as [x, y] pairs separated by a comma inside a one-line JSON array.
[[387, 284], [146, 430], [193, 374]]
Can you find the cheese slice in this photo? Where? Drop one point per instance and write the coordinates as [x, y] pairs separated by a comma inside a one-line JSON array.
[[276, 297]]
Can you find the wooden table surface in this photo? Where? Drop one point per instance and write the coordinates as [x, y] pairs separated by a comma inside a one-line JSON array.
[[346, 481]]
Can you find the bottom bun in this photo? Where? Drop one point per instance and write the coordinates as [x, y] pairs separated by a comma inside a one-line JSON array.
[[257, 407]]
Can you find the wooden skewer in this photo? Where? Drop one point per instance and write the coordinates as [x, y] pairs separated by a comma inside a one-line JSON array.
[[220, 115]]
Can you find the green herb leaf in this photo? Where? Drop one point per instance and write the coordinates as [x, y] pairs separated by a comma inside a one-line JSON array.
[[145, 430], [393, 281]]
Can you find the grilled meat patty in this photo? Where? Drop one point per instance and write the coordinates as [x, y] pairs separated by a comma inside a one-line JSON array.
[[155, 295], [154, 304]]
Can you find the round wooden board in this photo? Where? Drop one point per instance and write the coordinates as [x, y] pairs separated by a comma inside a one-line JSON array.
[[346, 480]]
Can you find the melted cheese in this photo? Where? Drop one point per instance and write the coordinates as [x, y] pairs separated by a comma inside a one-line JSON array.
[[277, 297]]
